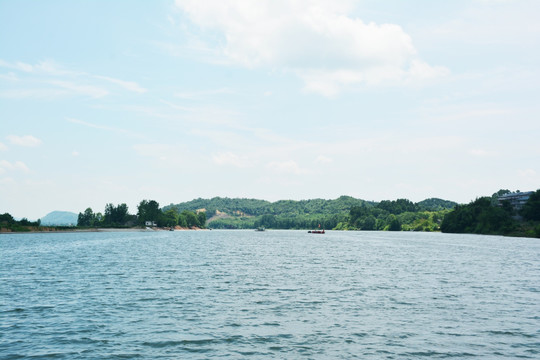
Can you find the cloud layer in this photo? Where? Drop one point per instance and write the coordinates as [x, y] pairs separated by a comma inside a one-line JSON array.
[[317, 40], [26, 140]]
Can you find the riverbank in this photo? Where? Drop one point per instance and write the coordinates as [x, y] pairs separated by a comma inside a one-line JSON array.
[[52, 229]]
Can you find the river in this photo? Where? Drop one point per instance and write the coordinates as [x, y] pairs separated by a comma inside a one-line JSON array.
[[267, 295]]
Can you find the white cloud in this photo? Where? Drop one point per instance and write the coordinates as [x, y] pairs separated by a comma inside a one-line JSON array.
[[314, 39], [89, 90], [17, 66], [128, 85], [158, 151], [7, 181], [3, 147], [69, 81], [8, 166], [321, 159], [33, 93], [488, 22], [479, 152], [19, 165], [9, 76], [286, 167], [26, 140], [197, 95], [102, 127], [229, 158]]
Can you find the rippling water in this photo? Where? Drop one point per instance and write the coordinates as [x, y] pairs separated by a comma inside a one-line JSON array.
[[273, 294]]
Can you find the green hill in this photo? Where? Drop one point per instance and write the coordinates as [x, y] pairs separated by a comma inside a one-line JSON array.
[[435, 204], [254, 207]]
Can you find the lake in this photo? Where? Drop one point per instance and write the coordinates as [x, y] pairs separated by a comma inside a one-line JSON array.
[[272, 294]]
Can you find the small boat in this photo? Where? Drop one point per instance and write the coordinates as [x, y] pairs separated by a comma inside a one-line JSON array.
[[260, 228], [316, 231]]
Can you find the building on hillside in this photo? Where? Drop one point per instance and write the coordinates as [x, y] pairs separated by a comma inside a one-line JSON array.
[[516, 199]]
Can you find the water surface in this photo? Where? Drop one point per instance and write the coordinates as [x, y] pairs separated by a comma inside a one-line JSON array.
[[273, 294]]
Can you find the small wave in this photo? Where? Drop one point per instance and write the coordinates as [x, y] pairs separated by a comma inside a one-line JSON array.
[[360, 334], [125, 356], [14, 310], [271, 323], [509, 333], [173, 343], [438, 354]]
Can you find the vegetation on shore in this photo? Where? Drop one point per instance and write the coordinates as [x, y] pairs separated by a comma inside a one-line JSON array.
[[485, 215], [343, 213], [9, 224], [148, 211]]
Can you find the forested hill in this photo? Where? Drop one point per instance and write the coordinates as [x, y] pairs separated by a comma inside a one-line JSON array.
[[301, 214], [254, 207], [435, 204]]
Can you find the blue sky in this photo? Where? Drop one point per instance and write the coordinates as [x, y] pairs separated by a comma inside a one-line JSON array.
[[116, 102]]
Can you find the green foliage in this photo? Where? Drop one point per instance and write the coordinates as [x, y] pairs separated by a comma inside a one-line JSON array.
[[148, 210], [435, 204], [253, 207], [479, 217], [87, 218], [7, 222], [344, 213], [115, 215], [398, 206], [169, 218], [201, 216], [6, 219], [191, 218], [393, 223], [495, 196], [531, 209]]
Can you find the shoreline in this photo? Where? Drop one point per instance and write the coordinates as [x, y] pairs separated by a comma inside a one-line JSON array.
[[52, 230]]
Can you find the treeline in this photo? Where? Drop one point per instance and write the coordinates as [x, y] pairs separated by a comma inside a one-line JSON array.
[[285, 222], [397, 215], [148, 212], [8, 223], [344, 213], [254, 207], [486, 216]]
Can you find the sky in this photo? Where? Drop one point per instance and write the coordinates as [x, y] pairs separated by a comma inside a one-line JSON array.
[[119, 101]]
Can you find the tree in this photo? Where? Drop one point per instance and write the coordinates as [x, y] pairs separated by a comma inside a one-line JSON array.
[[191, 219], [531, 209], [479, 217], [393, 223], [148, 210], [170, 217], [202, 218], [87, 218], [6, 219], [182, 221], [398, 206], [369, 223], [115, 215]]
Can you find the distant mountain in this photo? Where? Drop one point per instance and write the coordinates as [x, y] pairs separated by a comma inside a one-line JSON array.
[[60, 218]]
